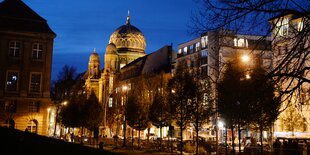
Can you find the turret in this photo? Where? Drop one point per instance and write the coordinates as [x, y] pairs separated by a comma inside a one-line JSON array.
[[94, 66]]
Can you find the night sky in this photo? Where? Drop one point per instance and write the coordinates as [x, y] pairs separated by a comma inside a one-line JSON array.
[[82, 26]]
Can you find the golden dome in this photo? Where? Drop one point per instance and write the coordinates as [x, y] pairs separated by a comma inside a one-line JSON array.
[[94, 57], [111, 49], [129, 38]]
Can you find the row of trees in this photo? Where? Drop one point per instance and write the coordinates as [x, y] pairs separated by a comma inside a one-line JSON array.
[[184, 99], [157, 99], [82, 110], [247, 102], [187, 99]]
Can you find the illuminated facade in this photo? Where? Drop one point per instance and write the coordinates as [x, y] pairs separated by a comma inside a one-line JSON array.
[[26, 47], [127, 43], [288, 37], [212, 50]]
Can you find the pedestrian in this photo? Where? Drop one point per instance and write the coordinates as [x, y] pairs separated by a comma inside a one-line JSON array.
[[72, 137]]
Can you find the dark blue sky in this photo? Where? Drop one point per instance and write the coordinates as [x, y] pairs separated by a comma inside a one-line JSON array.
[[82, 26]]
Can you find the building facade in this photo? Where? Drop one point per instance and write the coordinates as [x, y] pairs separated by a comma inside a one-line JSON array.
[[127, 43], [26, 48], [145, 76], [290, 46], [211, 51]]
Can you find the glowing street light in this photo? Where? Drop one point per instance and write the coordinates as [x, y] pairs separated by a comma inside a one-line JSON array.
[[64, 103], [220, 124], [125, 88], [245, 58]]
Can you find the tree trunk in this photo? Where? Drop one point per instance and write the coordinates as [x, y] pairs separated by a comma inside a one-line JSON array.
[[239, 137], [181, 128], [226, 149], [124, 142], [171, 143], [132, 137], [82, 135], [56, 118], [160, 130], [233, 140], [139, 135], [261, 138], [148, 135], [197, 129], [197, 139]]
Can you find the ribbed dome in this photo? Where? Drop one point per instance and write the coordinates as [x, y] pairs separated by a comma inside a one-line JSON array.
[[94, 57], [111, 49], [128, 37]]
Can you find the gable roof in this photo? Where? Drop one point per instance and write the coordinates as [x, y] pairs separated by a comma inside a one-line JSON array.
[[15, 15], [155, 62]]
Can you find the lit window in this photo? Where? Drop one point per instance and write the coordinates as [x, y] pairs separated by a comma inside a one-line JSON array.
[[111, 84], [204, 53], [14, 49], [300, 26], [282, 27], [35, 82], [185, 50], [191, 47], [204, 41], [37, 51], [197, 46], [122, 65], [180, 51], [205, 99], [240, 42], [122, 100], [110, 102], [204, 57], [12, 81], [32, 126]]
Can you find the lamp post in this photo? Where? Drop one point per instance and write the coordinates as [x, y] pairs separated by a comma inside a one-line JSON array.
[[58, 106], [125, 89]]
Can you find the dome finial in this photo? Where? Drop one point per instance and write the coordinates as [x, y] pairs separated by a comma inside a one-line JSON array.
[[95, 50], [128, 18]]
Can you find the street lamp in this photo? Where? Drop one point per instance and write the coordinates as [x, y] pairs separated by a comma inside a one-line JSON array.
[[58, 106], [125, 89], [245, 58], [247, 76]]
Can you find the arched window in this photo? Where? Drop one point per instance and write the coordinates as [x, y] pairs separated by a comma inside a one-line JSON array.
[[123, 43], [32, 126]]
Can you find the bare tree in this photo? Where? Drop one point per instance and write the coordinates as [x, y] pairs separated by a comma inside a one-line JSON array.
[[291, 68], [293, 120], [183, 93]]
